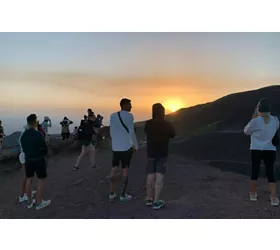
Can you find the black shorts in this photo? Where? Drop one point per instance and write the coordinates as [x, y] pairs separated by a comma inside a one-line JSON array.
[[65, 136], [157, 165], [38, 167], [123, 157]]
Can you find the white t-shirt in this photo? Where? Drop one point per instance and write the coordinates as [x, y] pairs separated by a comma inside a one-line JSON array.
[[46, 125], [261, 133], [121, 139]]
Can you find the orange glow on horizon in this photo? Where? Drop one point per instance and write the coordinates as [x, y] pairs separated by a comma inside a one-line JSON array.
[[174, 104]]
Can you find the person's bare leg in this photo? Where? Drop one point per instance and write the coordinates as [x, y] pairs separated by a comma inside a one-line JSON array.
[[80, 157], [158, 186], [23, 182], [113, 179], [40, 189], [150, 186], [272, 190], [125, 181], [91, 151], [29, 189], [253, 186]]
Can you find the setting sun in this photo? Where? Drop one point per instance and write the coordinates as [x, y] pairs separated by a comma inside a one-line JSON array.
[[174, 104]]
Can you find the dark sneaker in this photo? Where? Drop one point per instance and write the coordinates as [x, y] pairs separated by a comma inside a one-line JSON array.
[[149, 202], [75, 168], [94, 167], [159, 204]]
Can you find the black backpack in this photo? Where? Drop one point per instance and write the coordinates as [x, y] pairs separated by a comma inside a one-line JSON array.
[[83, 130]]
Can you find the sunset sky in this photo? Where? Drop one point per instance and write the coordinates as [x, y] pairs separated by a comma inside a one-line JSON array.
[[62, 74]]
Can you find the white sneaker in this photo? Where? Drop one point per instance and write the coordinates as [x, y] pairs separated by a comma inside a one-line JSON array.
[[31, 204], [112, 196], [24, 198], [253, 196], [126, 197], [43, 204], [274, 201]]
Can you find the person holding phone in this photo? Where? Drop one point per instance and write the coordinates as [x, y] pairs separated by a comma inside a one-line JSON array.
[[263, 129]]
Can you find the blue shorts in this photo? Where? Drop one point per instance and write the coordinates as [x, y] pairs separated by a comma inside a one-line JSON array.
[[157, 165]]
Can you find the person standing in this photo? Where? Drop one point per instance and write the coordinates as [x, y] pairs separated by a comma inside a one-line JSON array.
[[1, 135], [98, 124], [35, 150], [22, 194], [124, 144], [158, 132], [65, 130], [87, 132], [46, 124], [263, 131]]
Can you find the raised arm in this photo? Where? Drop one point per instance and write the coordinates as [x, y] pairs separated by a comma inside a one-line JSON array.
[[251, 127]]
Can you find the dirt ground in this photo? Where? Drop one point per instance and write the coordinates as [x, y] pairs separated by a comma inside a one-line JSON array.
[[191, 190]]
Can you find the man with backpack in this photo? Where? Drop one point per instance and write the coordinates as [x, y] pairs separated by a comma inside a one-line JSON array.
[[124, 144], [87, 131]]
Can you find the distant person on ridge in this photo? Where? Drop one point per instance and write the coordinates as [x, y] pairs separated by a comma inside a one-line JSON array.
[[86, 138], [1, 135], [35, 150], [65, 130], [75, 133], [84, 120], [264, 139], [22, 194], [124, 144], [40, 129], [158, 132], [46, 124], [98, 124], [90, 112]]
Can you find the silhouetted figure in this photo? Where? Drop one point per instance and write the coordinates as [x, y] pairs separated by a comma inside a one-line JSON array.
[[2, 135], [159, 132], [65, 128], [40, 129], [86, 138]]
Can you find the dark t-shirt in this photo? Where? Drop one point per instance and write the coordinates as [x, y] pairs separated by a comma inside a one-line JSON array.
[[158, 134], [1, 132], [33, 145], [88, 131]]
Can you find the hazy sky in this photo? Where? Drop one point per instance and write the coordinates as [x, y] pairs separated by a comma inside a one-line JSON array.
[[65, 73]]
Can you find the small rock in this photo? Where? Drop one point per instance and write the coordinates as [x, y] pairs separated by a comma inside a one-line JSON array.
[[79, 181]]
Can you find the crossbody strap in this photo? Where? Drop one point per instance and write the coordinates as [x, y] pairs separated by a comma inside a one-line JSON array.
[[125, 127]]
